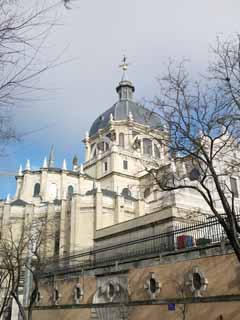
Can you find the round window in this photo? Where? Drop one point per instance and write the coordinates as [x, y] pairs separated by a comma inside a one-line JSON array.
[[197, 283], [152, 285], [111, 290]]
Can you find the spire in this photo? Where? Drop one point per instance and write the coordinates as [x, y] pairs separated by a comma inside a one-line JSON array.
[[125, 88], [28, 166], [20, 171], [75, 162], [64, 165], [45, 163], [8, 198], [51, 159], [124, 66]]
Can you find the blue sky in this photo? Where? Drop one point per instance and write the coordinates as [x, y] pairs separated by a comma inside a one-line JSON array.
[[96, 34]]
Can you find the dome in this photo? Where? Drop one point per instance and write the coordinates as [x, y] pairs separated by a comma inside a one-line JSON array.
[[121, 109]]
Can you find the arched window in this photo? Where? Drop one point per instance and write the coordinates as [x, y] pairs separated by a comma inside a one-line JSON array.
[[36, 191], [126, 192], [103, 146], [70, 191], [121, 140], [147, 147]]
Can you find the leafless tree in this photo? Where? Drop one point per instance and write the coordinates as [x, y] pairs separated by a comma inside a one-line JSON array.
[[182, 292], [201, 132], [23, 251], [24, 29], [224, 70]]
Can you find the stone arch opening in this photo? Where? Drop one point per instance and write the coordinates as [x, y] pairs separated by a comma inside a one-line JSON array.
[[36, 191], [109, 292]]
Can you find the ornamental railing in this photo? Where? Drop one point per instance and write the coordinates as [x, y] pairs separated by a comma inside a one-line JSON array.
[[183, 236]]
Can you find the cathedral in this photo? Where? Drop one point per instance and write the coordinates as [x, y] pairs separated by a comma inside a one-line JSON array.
[[112, 185]]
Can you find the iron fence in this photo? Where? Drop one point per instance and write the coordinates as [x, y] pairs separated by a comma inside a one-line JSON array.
[[181, 237]]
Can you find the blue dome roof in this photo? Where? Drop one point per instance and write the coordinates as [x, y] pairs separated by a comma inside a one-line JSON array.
[[121, 110], [126, 105]]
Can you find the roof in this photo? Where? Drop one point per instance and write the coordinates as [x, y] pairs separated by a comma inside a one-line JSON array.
[[120, 111], [19, 202]]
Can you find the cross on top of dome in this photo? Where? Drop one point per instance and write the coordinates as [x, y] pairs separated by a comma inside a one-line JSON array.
[[124, 66], [125, 88]]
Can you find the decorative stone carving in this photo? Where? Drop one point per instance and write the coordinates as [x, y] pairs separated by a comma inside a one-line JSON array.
[[136, 144], [152, 286], [111, 289], [130, 116], [197, 282], [111, 117]]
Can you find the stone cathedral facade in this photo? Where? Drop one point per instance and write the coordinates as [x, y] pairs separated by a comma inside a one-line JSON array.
[[110, 187]]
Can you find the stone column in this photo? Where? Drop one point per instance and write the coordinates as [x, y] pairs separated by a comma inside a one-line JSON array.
[[50, 230], [99, 165], [140, 208], [119, 209], [63, 232], [98, 208], [43, 183], [114, 159], [26, 192], [19, 183], [130, 136], [80, 185], [6, 215], [75, 211], [63, 187]]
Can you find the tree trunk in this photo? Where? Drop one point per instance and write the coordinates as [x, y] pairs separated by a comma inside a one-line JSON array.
[[20, 306]]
